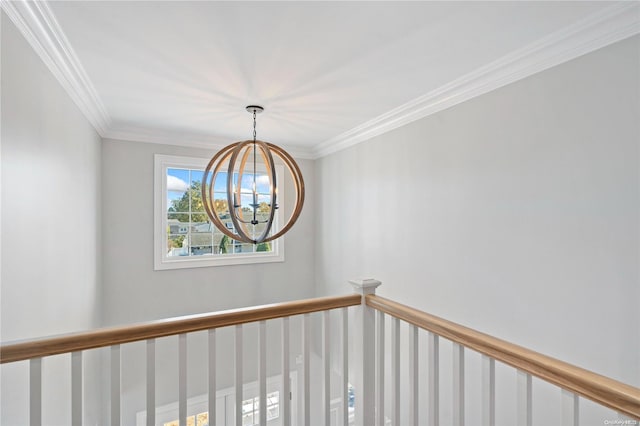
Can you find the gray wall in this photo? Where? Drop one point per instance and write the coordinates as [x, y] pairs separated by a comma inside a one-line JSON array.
[[133, 291], [50, 223], [515, 213]]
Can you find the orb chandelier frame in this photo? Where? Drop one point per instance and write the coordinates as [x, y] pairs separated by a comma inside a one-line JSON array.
[[235, 157]]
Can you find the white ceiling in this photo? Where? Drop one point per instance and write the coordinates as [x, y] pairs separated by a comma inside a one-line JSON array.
[[329, 74]]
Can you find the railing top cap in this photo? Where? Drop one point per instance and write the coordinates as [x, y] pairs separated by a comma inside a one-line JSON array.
[[365, 285]]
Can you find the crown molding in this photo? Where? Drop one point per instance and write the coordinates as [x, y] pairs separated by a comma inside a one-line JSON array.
[[40, 28], [211, 143], [36, 22], [598, 30]]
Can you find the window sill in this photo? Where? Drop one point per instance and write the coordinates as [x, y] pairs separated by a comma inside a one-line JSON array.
[[209, 261]]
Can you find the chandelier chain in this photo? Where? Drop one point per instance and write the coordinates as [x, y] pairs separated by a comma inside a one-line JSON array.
[[254, 125], [255, 195]]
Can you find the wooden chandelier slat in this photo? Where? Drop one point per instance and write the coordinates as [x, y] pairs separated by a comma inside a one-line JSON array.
[[605, 391], [36, 348]]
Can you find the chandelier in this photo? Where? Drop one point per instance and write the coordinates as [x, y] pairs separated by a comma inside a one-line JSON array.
[[248, 171]]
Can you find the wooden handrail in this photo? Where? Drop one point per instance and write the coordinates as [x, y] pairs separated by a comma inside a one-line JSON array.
[[23, 350], [605, 391]]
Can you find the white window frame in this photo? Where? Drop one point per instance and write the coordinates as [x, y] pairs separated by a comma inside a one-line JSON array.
[[162, 261]]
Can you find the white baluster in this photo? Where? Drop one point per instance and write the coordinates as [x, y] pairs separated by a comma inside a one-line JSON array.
[[458, 385], [285, 399], [570, 409], [238, 377], [413, 375], [306, 324], [395, 368], [326, 367], [364, 349], [345, 366], [182, 379], [151, 382], [35, 392], [212, 377], [525, 411], [434, 379], [115, 385], [76, 388], [488, 391], [262, 372], [380, 372]]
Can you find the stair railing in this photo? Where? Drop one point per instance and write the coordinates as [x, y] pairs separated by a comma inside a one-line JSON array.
[[366, 334], [574, 382], [74, 344]]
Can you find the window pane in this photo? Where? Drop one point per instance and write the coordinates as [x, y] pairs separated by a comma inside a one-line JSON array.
[[200, 243], [177, 201], [199, 218], [247, 180], [220, 243], [203, 419], [263, 184], [221, 205], [179, 173], [196, 191], [273, 405], [220, 184], [204, 227], [177, 187], [177, 223], [273, 412], [236, 247], [264, 199], [247, 406], [273, 398], [247, 420], [176, 246], [196, 176], [247, 199], [229, 244]]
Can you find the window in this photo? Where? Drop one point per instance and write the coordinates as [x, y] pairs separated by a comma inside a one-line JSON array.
[[184, 234], [201, 419], [250, 412], [197, 406], [251, 409]]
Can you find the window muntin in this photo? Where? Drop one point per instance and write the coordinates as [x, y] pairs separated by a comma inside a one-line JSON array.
[[185, 236]]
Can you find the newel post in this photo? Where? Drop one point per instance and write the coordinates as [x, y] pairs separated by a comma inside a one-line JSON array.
[[364, 354]]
